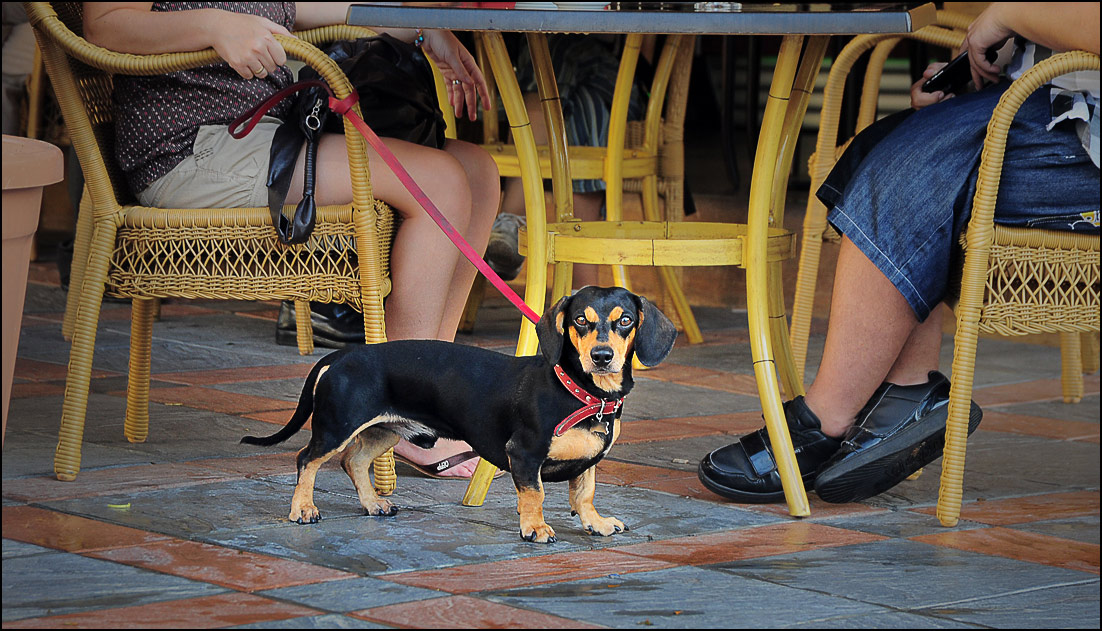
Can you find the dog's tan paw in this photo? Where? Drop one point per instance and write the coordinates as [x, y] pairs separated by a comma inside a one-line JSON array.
[[381, 508], [604, 526], [305, 514], [539, 533]]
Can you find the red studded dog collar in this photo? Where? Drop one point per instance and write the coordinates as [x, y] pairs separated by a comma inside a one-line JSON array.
[[594, 405]]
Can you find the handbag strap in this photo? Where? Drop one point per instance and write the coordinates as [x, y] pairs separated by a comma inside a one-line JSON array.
[[343, 107]]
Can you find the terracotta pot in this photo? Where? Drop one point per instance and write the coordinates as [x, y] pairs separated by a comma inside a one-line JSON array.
[[29, 165]]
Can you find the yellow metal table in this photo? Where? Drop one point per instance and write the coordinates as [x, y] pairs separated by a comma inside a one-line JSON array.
[[759, 246]]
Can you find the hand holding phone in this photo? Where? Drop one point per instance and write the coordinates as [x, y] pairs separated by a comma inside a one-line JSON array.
[[953, 78]]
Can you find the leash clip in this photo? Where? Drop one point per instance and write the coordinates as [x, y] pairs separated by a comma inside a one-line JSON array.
[[313, 120]]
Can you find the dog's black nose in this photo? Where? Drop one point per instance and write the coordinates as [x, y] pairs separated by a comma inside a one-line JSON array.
[[601, 356]]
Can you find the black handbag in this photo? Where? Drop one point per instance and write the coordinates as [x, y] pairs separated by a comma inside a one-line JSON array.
[[397, 94]]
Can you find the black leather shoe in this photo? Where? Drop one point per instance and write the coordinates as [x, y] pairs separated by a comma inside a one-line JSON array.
[[898, 433], [747, 472], [335, 325]]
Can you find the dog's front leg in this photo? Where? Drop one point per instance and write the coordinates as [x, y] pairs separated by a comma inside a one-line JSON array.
[[356, 461], [582, 489], [526, 478]]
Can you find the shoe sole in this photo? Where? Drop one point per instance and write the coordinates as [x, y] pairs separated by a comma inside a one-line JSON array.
[[744, 497], [880, 468]]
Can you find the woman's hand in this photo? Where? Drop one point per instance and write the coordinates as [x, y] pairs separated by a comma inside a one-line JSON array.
[[461, 73], [248, 43], [986, 32], [920, 99]]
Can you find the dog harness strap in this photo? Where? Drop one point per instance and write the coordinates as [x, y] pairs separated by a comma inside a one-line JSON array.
[[594, 406]]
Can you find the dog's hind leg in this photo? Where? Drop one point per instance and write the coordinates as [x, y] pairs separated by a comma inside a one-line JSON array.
[[356, 461], [582, 489], [303, 510]]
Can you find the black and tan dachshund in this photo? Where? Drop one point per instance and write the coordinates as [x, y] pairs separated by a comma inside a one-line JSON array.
[[549, 417]]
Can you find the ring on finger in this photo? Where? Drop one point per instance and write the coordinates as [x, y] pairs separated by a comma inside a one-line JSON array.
[[260, 73], [456, 82]]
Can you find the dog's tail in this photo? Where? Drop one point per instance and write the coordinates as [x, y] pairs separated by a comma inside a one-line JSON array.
[[302, 412]]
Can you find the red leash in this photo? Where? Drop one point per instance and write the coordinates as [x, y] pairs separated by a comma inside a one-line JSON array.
[[344, 108]]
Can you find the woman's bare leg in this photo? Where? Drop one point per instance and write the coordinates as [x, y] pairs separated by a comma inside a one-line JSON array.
[[873, 336], [422, 260], [485, 187]]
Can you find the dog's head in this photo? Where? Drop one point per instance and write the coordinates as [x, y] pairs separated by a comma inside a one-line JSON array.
[[605, 326]]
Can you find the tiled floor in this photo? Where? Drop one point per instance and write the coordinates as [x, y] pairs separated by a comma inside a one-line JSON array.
[[188, 529]]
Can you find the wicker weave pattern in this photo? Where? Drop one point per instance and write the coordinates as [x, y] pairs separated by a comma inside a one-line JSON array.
[[1041, 282], [214, 253]]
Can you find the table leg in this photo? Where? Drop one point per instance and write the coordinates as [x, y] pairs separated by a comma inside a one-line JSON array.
[[782, 116], [536, 214]]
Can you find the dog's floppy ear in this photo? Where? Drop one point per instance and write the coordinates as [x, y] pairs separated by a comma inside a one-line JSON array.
[[655, 336], [549, 330]]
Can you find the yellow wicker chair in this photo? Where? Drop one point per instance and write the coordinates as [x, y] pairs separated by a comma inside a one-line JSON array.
[[652, 164], [1079, 352], [1015, 281], [209, 253]]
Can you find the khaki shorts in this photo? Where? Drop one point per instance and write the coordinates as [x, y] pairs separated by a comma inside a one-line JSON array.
[[222, 172]]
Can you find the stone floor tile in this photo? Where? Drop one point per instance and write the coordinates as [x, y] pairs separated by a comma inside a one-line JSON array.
[[652, 399], [902, 574], [228, 567], [14, 549], [641, 431], [1024, 392], [211, 612], [1018, 510], [895, 524], [69, 533], [346, 595], [1060, 429], [535, 570], [457, 612], [681, 598], [1084, 529], [1085, 411], [234, 375], [217, 400], [330, 621], [122, 481], [1073, 606], [771, 540], [58, 583], [1023, 546]]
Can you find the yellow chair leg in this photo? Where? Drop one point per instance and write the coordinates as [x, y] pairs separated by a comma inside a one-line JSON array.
[[386, 478], [136, 426], [1071, 359], [86, 318], [82, 242]]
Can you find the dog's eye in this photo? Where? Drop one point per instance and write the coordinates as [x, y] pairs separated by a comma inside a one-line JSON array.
[[581, 321], [625, 321]]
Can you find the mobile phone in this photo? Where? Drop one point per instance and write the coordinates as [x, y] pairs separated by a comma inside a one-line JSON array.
[[953, 78]]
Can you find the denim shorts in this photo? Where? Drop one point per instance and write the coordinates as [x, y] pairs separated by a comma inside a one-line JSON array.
[[902, 192]]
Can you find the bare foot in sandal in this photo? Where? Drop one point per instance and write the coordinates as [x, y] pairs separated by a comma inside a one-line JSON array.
[[446, 459]]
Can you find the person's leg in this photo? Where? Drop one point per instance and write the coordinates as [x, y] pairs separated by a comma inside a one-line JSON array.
[[873, 336], [485, 187], [422, 258]]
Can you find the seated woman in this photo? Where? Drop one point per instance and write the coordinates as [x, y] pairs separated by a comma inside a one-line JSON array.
[[173, 145], [901, 195]]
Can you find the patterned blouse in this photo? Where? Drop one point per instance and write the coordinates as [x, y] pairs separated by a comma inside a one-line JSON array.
[[157, 118]]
